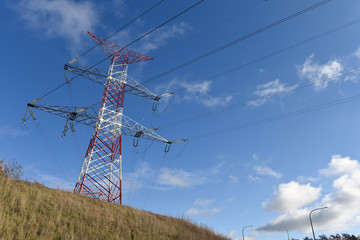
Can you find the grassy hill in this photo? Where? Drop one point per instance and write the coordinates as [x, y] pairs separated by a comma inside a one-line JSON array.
[[33, 211]]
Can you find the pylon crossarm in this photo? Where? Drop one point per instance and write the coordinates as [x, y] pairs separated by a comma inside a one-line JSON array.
[[120, 54], [81, 115], [132, 86], [77, 114], [93, 74], [132, 128]]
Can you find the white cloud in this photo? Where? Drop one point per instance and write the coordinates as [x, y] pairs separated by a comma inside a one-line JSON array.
[[202, 212], [55, 182], [320, 74], [232, 236], [159, 37], [343, 202], [179, 178], [68, 19], [8, 131], [254, 178], [203, 202], [290, 196], [198, 92], [306, 179], [266, 171], [357, 53], [233, 179], [265, 92], [255, 156]]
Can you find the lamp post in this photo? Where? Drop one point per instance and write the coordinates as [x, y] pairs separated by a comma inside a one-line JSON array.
[[243, 231], [312, 228]]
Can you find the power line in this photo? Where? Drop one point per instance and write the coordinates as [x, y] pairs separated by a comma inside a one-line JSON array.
[[264, 97], [212, 27], [156, 176], [272, 54], [127, 24], [149, 32], [238, 40], [278, 117], [285, 49], [51, 150], [139, 38]]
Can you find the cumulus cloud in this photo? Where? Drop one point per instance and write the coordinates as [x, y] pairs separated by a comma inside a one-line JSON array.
[[162, 35], [357, 53], [254, 178], [320, 74], [59, 18], [176, 178], [266, 92], [233, 179], [343, 209], [55, 182], [8, 131], [198, 91], [290, 196], [203, 202], [266, 171], [202, 212]]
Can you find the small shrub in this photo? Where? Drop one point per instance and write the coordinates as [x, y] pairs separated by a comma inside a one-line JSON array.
[[13, 169]]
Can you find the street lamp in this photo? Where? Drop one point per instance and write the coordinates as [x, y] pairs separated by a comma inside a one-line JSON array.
[[312, 228], [243, 230]]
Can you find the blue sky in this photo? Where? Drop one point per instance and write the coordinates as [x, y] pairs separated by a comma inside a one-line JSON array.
[[269, 174]]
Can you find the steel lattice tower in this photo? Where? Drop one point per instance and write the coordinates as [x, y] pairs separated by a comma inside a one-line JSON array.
[[101, 173]]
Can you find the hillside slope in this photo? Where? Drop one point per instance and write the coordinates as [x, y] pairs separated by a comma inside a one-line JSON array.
[[33, 211]]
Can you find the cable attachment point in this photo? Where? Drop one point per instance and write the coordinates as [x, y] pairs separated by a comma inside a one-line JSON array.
[[24, 119], [136, 142], [167, 147], [155, 105], [66, 127]]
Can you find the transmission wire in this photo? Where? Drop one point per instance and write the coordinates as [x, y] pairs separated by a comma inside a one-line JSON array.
[[49, 147], [141, 37], [212, 27], [246, 102], [127, 24], [277, 117], [274, 24], [156, 176]]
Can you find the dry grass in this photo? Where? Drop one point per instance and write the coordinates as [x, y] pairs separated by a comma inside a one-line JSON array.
[[33, 211]]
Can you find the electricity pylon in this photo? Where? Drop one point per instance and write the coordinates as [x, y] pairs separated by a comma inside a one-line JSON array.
[[101, 173]]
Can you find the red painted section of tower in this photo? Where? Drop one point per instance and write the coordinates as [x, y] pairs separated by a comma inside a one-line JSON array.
[[96, 179], [120, 54]]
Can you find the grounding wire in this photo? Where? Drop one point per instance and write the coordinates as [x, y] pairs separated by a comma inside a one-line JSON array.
[[127, 24], [149, 32], [139, 38], [272, 54], [246, 102], [277, 117], [212, 27], [51, 150], [285, 49], [156, 176], [274, 24]]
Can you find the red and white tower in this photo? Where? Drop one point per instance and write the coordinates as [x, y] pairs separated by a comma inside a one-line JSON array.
[[101, 173]]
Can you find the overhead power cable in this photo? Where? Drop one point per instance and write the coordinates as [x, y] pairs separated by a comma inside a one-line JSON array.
[[298, 44], [277, 117], [139, 38], [264, 97], [274, 24], [284, 49], [127, 24], [214, 26]]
